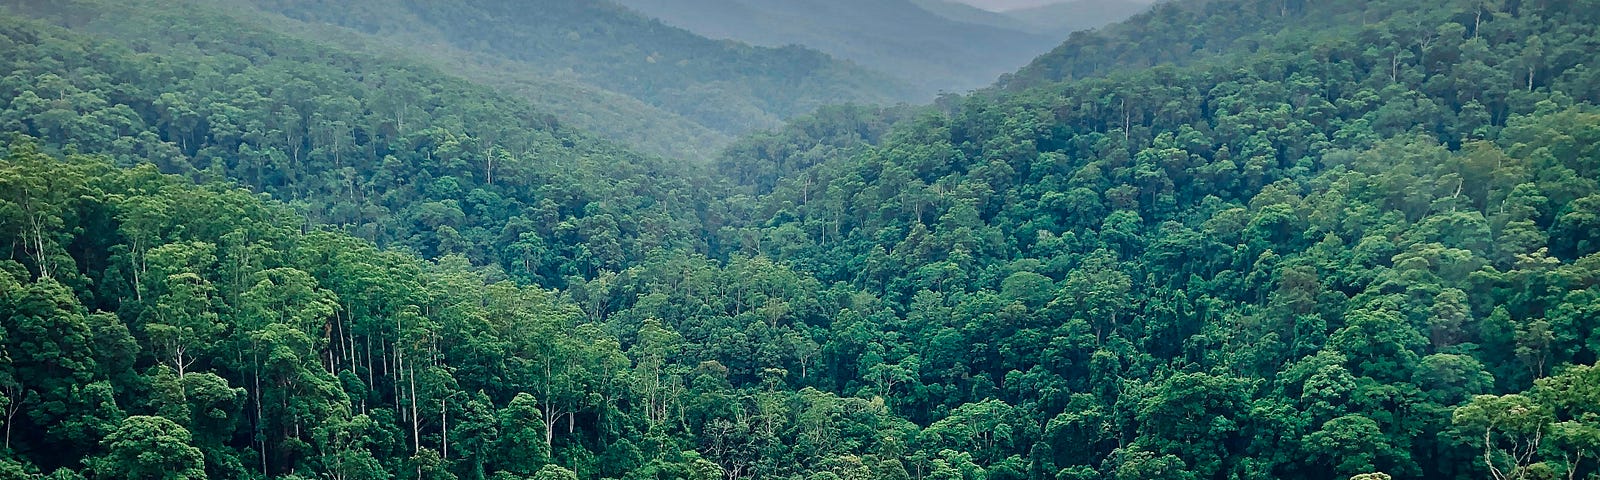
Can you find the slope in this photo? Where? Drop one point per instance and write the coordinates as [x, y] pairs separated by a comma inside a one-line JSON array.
[[964, 13], [724, 86], [1366, 249], [1061, 19], [1187, 32], [624, 119], [1276, 248], [931, 52], [396, 153]]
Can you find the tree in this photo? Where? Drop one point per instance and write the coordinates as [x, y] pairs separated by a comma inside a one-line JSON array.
[[522, 448], [1096, 292], [54, 377], [657, 347], [1379, 343], [1573, 400], [152, 448], [344, 448], [185, 327], [1189, 415], [34, 205], [1137, 464], [1576, 228], [554, 472], [988, 429], [1353, 445], [1512, 426]]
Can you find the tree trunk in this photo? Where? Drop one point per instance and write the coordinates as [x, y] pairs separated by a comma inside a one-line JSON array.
[[178, 362], [258, 414], [1127, 124], [11, 412], [416, 422], [444, 428], [369, 362], [138, 267], [549, 410]]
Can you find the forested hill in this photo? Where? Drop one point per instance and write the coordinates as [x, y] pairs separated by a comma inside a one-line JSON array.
[[929, 51], [395, 153], [596, 65], [1332, 241], [610, 114], [1187, 32], [964, 13], [1059, 20], [728, 87], [1055, 20], [1230, 239]]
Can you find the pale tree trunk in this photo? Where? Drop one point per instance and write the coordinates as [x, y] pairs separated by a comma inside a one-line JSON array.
[[416, 423], [138, 268], [444, 426], [14, 393], [258, 413], [549, 411]]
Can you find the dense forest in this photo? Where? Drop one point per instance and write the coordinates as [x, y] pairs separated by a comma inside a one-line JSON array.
[[726, 86], [1224, 239], [597, 66]]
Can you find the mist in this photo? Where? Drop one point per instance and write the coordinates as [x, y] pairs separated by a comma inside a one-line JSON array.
[[1005, 5], [1011, 5]]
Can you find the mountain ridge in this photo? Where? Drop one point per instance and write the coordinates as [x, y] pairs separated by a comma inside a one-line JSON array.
[[898, 37], [1222, 240]]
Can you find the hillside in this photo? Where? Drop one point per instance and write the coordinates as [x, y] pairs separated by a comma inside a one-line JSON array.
[[1261, 258], [1056, 20], [897, 37], [615, 116], [686, 110], [964, 13], [724, 86], [1208, 30], [1061, 19], [396, 153], [1225, 239]]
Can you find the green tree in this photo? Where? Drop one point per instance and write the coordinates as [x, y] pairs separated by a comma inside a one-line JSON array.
[[150, 447]]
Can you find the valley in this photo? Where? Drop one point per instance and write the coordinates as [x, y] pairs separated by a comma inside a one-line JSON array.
[[741, 239]]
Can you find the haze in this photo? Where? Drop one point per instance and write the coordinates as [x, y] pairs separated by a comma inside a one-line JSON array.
[[1009, 5], [799, 239], [1004, 5]]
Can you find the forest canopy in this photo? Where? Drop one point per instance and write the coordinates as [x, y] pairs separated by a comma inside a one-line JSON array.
[[1224, 239]]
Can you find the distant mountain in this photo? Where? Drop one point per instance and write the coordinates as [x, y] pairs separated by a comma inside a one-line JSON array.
[[932, 51], [1061, 19], [1056, 20], [609, 114], [722, 86], [963, 12]]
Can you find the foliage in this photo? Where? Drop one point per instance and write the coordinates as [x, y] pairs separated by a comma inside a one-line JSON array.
[[1365, 249]]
